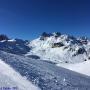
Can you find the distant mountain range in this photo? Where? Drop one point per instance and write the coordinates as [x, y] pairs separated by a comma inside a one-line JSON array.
[[54, 47]]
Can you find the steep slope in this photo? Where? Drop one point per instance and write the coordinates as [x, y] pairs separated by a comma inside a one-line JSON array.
[[11, 80], [45, 74]]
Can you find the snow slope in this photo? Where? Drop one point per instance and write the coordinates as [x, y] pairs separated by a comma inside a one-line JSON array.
[[83, 68], [46, 74], [11, 79]]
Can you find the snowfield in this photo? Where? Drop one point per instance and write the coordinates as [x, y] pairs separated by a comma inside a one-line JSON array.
[[9, 78], [46, 75], [83, 68]]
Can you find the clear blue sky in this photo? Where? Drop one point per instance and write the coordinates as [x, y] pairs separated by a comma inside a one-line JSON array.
[[28, 18]]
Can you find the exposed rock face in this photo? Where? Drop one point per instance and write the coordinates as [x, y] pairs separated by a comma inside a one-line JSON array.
[[3, 37]]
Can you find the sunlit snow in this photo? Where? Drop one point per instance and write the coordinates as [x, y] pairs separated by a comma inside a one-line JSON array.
[[9, 78]]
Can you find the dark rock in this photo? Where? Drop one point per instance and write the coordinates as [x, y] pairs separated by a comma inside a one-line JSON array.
[[34, 56]]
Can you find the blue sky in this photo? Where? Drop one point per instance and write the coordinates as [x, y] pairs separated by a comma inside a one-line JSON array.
[[27, 19]]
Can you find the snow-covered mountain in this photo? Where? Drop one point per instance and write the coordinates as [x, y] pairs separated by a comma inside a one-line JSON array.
[[36, 62], [60, 48], [64, 50], [55, 47], [15, 46]]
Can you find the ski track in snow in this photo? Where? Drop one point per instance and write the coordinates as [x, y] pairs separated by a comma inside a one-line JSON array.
[[10, 78]]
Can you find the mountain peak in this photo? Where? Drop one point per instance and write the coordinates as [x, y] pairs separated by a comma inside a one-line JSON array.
[[58, 47]]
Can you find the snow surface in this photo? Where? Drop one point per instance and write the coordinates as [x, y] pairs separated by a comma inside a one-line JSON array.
[[83, 68], [9, 78], [45, 74], [11, 40]]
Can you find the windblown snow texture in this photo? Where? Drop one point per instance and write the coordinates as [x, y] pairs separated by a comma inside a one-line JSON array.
[[12, 80], [45, 74]]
